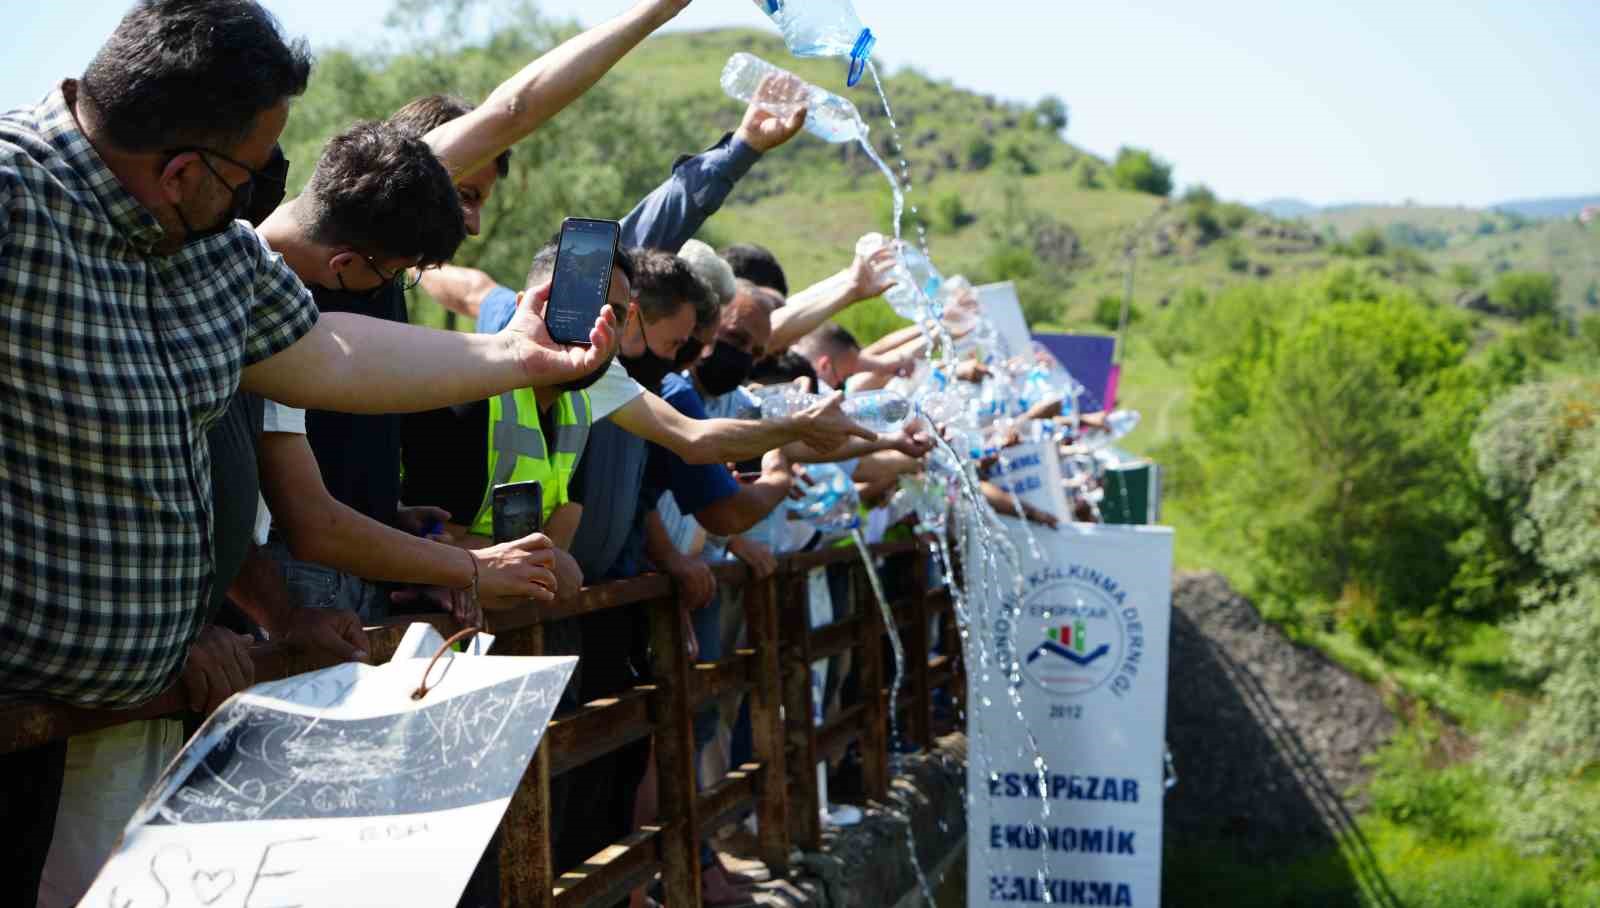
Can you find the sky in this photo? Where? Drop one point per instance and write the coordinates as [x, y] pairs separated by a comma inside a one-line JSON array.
[[1466, 102]]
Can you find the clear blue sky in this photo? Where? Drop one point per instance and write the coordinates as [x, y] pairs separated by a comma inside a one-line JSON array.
[[1463, 102]]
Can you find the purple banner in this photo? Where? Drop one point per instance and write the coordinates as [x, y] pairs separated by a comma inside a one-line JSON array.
[[1088, 358]]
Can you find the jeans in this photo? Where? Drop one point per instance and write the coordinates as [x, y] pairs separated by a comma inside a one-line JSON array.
[[317, 586]]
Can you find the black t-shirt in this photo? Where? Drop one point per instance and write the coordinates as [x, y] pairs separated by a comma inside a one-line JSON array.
[[446, 455], [360, 455]]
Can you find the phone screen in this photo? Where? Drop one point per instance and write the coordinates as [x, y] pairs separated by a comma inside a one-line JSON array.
[[518, 510], [582, 278]]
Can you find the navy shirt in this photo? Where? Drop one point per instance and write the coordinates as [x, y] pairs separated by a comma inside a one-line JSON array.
[[693, 487]]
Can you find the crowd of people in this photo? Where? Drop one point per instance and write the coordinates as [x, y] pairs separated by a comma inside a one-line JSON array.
[[219, 427]]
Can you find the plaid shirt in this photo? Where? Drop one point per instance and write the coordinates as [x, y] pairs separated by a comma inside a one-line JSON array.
[[114, 363]]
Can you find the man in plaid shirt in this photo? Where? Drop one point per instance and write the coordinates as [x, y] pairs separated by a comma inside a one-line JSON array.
[[132, 305]]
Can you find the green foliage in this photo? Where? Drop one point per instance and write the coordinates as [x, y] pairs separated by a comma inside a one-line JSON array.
[[1088, 176], [1175, 329], [1446, 803], [1365, 243], [1524, 294], [1237, 258], [1014, 160], [1404, 234], [980, 153], [1006, 262], [1050, 113], [950, 213], [1464, 275], [1108, 312], [1137, 170], [1233, 215], [1199, 194]]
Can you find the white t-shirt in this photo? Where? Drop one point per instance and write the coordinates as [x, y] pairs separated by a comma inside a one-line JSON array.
[[612, 392]]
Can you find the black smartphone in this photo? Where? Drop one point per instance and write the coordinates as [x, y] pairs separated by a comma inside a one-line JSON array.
[[584, 257], [518, 510]]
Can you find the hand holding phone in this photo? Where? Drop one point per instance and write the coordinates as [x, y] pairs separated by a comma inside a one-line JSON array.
[[518, 510], [585, 257]]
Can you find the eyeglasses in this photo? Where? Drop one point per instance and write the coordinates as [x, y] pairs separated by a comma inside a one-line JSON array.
[[404, 278], [243, 192]]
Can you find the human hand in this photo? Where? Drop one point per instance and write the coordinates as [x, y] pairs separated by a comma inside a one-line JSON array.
[[764, 130], [661, 12], [569, 575], [419, 520], [459, 604], [546, 362], [775, 464], [691, 640], [218, 666], [334, 631], [970, 370], [912, 443], [1043, 518], [759, 558], [824, 426], [693, 579], [523, 568], [869, 275]]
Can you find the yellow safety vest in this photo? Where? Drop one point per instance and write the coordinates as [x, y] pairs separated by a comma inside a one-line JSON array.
[[518, 453]]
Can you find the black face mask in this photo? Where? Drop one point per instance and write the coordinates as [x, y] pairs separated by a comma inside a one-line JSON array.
[[238, 206], [688, 353], [725, 369], [583, 384], [648, 369], [272, 184]]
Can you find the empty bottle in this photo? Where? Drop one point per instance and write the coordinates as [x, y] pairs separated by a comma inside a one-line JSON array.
[[828, 500], [880, 411], [1118, 424], [916, 286], [823, 28], [828, 116]]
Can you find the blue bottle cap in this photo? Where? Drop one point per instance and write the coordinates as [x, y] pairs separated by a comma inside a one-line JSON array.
[[858, 56]]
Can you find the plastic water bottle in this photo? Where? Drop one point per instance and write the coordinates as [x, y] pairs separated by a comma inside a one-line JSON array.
[[880, 411], [1119, 423], [917, 284], [828, 500], [828, 116], [823, 28]]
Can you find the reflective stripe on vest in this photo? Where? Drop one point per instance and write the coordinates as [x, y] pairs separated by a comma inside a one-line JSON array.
[[518, 453]]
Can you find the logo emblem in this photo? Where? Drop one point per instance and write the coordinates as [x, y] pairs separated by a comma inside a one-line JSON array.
[[1081, 647]]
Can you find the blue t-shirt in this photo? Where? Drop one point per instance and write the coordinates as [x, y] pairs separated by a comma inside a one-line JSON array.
[[693, 487], [496, 311]]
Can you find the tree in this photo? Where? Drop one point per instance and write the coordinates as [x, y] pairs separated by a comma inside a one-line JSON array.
[[950, 213], [980, 153], [1137, 170], [1524, 294], [1050, 113], [1199, 194]]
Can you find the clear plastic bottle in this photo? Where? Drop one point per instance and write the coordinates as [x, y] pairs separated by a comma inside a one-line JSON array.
[[1119, 423], [823, 28], [917, 284], [828, 500], [880, 411], [828, 116]]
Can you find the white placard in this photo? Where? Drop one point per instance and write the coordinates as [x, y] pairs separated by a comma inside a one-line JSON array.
[[1003, 309], [1032, 471], [336, 788], [1089, 641]]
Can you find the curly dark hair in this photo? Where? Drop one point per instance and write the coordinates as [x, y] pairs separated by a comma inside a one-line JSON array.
[[427, 113], [758, 265], [665, 283], [384, 194], [192, 72]]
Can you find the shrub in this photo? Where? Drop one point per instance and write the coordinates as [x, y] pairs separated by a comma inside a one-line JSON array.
[[1203, 218], [1234, 215], [1137, 170], [1199, 194], [1364, 243], [1524, 294], [1016, 161], [1108, 312], [950, 213], [980, 153], [1088, 176], [1050, 113], [1009, 262], [1238, 260], [1463, 275]]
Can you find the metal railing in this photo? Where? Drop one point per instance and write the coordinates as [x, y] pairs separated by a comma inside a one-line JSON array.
[[779, 786]]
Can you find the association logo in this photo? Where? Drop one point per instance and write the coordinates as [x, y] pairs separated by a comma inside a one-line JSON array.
[[1089, 636]]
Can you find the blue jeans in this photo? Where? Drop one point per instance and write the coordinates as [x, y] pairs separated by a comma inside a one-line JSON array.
[[317, 586]]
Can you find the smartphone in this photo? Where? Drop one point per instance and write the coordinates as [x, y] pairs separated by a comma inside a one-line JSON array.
[[584, 257], [518, 510]]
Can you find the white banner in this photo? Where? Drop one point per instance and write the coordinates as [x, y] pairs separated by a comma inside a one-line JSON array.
[[1032, 471], [1089, 639], [337, 788], [1003, 309]]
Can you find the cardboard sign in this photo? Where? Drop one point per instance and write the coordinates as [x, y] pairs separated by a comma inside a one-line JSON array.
[[337, 788]]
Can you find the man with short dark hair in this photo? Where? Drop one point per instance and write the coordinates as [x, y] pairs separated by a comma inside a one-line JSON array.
[[136, 304], [758, 265]]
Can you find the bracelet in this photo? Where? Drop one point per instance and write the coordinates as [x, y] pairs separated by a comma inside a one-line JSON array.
[[472, 587]]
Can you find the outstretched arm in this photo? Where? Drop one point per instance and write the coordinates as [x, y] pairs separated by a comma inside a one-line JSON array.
[[807, 310], [458, 289], [544, 88], [354, 364], [823, 427]]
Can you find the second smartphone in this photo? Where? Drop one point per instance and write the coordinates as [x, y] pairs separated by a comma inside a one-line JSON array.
[[582, 281]]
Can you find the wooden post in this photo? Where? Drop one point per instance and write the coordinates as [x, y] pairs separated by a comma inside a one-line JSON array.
[[919, 649], [805, 805], [875, 736], [674, 752], [766, 724], [526, 874]]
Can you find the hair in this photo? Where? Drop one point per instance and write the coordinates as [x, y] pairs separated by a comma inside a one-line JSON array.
[[712, 271], [828, 340], [423, 115], [768, 297], [386, 195], [758, 264], [192, 72], [785, 367], [665, 283]]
